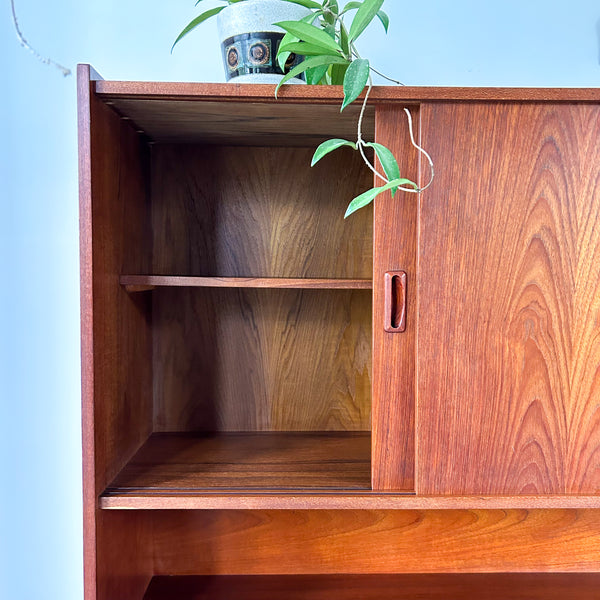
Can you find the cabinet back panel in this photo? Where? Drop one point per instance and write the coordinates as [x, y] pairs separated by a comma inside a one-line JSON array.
[[509, 301], [262, 212], [262, 360]]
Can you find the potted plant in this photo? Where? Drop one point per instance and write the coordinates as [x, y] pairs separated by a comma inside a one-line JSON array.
[[321, 46], [250, 40]]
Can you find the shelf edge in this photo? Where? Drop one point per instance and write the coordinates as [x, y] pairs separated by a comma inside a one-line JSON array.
[[141, 283], [342, 501]]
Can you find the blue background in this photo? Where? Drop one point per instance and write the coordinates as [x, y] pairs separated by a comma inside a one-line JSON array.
[[464, 43]]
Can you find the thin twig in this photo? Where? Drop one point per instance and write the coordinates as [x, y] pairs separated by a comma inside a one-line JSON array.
[[26, 45], [386, 77], [357, 55]]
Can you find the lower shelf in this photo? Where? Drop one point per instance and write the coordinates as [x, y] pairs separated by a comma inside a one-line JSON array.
[[516, 586], [176, 463]]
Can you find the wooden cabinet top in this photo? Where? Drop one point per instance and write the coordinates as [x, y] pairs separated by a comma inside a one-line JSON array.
[[328, 94]]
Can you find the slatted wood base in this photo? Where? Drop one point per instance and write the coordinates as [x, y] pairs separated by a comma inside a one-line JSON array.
[[529, 586]]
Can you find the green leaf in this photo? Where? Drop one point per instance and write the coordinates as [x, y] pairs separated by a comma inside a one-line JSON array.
[[330, 30], [316, 74], [315, 61], [355, 80], [338, 72], [329, 146], [388, 162], [344, 41], [310, 33], [368, 196], [333, 6], [365, 14], [306, 49], [349, 6], [282, 57], [385, 20], [306, 3], [195, 22]]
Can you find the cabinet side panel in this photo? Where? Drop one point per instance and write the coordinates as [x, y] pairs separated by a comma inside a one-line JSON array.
[[509, 301], [362, 541], [87, 337], [122, 336], [116, 341], [395, 239]]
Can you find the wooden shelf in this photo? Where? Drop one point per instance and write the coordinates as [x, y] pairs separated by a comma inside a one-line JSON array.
[[479, 586], [332, 500], [140, 283], [295, 471], [170, 464]]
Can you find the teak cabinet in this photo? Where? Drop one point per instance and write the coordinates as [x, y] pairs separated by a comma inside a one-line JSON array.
[[278, 403]]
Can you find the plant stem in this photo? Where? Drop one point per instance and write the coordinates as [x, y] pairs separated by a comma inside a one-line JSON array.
[[357, 55], [25, 44], [360, 142], [421, 150], [361, 146], [386, 77]]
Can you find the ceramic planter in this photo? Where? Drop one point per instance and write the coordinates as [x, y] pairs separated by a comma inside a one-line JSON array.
[[249, 40]]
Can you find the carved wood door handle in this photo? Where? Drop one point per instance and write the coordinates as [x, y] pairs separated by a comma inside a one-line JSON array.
[[395, 301]]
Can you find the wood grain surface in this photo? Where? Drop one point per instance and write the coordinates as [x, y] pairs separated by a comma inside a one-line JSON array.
[[509, 301], [486, 586], [258, 212], [84, 101], [140, 283], [181, 463], [395, 247], [332, 499], [231, 92], [310, 542], [122, 338], [171, 120], [125, 560], [262, 360], [116, 339]]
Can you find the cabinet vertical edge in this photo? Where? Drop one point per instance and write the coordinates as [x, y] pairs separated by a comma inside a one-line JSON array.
[[84, 91], [115, 342], [394, 249]]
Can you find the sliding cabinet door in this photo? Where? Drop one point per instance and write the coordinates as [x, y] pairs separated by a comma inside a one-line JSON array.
[[507, 340]]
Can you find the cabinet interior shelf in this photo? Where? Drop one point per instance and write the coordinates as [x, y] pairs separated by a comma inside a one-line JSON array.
[[188, 463], [446, 586], [140, 283], [284, 470]]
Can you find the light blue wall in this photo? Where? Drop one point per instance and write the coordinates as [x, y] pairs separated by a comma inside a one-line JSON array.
[[465, 42]]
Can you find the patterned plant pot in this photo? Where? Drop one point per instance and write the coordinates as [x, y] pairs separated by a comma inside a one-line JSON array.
[[249, 40]]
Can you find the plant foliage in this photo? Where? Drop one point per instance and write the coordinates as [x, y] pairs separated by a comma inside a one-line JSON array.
[[328, 46]]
